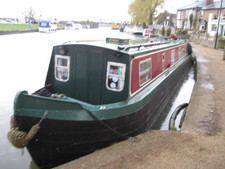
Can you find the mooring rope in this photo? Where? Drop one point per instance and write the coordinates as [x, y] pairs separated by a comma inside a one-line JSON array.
[[20, 138], [131, 139]]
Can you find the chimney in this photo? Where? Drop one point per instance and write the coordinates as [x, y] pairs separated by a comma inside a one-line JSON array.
[[207, 2]]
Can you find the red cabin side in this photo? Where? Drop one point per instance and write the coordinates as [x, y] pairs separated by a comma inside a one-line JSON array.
[[146, 67]]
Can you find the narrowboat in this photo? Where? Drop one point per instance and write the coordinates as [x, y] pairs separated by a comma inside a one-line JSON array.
[[72, 26], [114, 26], [137, 30], [47, 26], [69, 26], [96, 94]]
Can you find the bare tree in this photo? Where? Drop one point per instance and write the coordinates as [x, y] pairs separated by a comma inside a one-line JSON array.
[[29, 15]]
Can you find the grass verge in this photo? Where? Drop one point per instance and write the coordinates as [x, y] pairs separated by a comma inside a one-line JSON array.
[[14, 27]]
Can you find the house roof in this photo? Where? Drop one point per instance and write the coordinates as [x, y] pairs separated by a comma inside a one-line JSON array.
[[197, 4], [214, 5], [163, 17], [201, 4]]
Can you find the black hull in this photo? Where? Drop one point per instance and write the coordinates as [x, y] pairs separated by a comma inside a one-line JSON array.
[[58, 142]]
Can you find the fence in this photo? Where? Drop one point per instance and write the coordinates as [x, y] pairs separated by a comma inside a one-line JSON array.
[[203, 39]]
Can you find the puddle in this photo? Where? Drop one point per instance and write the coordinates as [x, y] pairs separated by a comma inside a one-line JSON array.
[[208, 86], [200, 57], [203, 69]]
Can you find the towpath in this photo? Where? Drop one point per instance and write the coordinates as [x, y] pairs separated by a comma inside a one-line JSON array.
[[199, 145]]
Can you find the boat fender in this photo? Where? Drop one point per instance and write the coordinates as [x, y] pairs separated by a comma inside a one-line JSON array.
[[20, 138]]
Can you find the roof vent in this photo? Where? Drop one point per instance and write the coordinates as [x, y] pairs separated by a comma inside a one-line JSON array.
[[117, 41]]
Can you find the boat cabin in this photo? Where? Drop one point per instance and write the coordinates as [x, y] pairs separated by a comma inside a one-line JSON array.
[[47, 26], [107, 73]]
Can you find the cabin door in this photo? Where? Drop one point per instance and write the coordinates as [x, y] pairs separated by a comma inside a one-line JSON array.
[[88, 75]]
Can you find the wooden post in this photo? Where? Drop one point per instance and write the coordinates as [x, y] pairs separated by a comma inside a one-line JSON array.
[[224, 53], [218, 25]]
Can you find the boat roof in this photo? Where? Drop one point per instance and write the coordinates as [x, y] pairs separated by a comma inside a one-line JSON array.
[[45, 21], [128, 48]]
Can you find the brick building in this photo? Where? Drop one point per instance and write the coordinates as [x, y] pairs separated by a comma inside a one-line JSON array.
[[205, 15]]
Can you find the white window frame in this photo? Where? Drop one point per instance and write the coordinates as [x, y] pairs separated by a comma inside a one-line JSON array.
[[147, 71], [173, 56], [179, 15], [57, 66], [118, 79]]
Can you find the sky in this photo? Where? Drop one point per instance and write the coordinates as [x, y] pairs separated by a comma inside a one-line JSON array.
[[116, 10]]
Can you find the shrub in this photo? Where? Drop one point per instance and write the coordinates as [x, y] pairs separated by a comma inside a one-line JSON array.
[[168, 31], [163, 31], [182, 32]]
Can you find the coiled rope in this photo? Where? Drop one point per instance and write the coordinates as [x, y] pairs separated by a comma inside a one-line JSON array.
[[20, 138]]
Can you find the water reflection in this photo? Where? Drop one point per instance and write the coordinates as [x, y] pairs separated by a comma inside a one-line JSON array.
[[24, 63], [23, 66]]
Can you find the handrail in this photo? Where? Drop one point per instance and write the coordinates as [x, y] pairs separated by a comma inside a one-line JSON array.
[[126, 48], [81, 41]]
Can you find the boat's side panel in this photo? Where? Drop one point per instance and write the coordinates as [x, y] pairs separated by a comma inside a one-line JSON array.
[[160, 61], [156, 69]]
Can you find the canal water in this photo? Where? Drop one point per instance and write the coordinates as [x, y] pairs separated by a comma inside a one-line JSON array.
[[183, 96], [23, 66]]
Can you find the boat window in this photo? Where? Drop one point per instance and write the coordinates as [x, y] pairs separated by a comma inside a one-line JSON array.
[[44, 24], [62, 67], [115, 76], [145, 71], [163, 61], [173, 54], [182, 51]]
